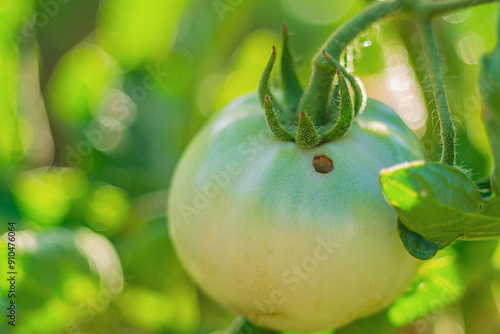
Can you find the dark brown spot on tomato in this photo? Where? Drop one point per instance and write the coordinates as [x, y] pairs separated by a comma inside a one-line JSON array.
[[322, 164]]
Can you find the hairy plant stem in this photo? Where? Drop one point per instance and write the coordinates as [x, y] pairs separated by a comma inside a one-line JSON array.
[[436, 76], [316, 95], [412, 44], [430, 9]]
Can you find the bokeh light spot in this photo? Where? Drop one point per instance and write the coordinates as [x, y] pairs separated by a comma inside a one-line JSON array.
[[317, 11], [470, 48]]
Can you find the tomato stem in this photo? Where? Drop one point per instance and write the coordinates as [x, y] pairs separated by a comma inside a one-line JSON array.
[[316, 95], [436, 76], [315, 102], [292, 91], [432, 9]]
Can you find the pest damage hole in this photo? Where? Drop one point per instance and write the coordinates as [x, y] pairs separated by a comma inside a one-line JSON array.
[[322, 164]]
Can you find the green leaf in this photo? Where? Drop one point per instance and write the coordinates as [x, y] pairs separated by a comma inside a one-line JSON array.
[[378, 323], [437, 202], [491, 208], [415, 244]]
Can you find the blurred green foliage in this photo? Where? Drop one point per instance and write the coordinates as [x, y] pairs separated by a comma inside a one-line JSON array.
[[98, 99]]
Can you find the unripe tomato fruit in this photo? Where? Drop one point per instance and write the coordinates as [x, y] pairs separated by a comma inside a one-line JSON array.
[[269, 232]]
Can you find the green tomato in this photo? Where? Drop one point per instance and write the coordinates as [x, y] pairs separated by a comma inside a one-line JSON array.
[[268, 230]]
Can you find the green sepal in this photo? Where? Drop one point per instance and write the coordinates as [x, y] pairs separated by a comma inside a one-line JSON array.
[[332, 112], [292, 90], [307, 135], [346, 116], [273, 123], [264, 88], [360, 96]]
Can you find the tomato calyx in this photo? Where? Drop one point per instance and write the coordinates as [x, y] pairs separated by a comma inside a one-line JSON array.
[[310, 130]]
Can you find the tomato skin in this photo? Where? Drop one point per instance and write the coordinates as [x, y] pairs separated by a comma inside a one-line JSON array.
[[270, 238]]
